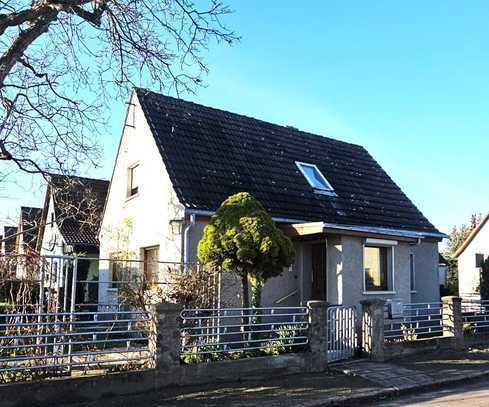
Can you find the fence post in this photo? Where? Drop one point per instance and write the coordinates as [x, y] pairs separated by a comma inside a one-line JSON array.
[[453, 324], [165, 336], [373, 328], [318, 335]]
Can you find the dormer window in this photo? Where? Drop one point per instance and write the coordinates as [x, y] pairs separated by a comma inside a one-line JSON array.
[[315, 178], [133, 180]]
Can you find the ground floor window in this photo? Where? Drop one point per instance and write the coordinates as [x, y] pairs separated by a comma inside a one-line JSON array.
[[377, 265]]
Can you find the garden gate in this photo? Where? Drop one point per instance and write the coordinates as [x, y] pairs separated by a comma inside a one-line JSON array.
[[342, 340]]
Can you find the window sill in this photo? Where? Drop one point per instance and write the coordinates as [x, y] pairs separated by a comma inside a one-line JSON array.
[[130, 198], [379, 292], [414, 291]]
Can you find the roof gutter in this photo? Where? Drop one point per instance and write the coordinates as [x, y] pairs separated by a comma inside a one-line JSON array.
[[351, 228], [385, 231], [210, 213]]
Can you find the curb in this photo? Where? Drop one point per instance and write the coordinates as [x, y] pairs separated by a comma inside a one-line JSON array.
[[391, 392]]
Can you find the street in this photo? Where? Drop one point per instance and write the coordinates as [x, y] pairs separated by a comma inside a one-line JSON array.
[[473, 395]]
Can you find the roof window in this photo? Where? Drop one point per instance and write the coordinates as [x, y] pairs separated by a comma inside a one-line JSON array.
[[315, 178]]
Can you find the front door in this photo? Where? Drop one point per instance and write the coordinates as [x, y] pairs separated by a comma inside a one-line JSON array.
[[319, 271]]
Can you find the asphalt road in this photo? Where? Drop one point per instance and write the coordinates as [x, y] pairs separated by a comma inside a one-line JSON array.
[[473, 395]]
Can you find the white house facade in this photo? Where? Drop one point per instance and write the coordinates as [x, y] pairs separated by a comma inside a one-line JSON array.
[[470, 256]]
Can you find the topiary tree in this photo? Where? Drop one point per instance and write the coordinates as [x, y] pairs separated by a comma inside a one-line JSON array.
[[242, 238]]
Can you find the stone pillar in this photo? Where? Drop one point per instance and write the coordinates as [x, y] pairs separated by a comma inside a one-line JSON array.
[[165, 340], [453, 324], [318, 335], [372, 338]]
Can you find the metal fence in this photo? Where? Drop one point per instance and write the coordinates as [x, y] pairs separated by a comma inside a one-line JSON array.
[[249, 330], [416, 321], [475, 315], [44, 344]]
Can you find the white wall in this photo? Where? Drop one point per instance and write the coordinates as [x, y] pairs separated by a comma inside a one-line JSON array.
[[52, 241], [151, 209], [468, 274]]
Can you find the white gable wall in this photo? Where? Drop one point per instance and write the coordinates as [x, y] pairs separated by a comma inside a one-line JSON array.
[[52, 241], [151, 209], [468, 274]]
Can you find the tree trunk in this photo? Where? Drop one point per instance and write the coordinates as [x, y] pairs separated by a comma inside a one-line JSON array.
[[246, 290], [245, 320], [256, 288]]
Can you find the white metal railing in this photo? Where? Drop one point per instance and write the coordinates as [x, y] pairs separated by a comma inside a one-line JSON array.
[[475, 315], [342, 340], [47, 344], [417, 320], [224, 330]]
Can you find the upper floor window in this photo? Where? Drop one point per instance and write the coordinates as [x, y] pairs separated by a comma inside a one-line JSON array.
[[133, 180], [314, 176]]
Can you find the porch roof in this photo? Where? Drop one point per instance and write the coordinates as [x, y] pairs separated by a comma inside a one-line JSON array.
[[318, 228]]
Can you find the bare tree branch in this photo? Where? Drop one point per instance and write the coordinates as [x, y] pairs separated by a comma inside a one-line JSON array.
[[63, 61]]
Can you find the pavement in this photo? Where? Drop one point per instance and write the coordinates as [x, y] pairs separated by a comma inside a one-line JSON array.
[[357, 382], [473, 395]]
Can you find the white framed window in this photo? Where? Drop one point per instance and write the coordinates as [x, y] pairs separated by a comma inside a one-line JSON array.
[[378, 268], [133, 180], [314, 177], [412, 271]]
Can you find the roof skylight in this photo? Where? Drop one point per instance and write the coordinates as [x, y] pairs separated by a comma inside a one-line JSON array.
[[314, 176]]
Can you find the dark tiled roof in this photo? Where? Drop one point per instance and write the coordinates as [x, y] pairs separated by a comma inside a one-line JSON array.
[[10, 233], [78, 206], [211, 154], [30, 219]]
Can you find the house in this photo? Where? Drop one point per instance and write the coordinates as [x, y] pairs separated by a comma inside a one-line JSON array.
[[70, 225], [470, 255], [8, 250], [9, 246], [356, 234], [443, 267], [27, 235]]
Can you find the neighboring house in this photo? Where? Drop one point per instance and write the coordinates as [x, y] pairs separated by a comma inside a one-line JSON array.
[[27, 234], [70, 226], [9, 246], [443, 271], [356, 233], [470, 255]]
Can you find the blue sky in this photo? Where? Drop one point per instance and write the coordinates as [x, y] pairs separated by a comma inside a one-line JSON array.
[[407, 80]]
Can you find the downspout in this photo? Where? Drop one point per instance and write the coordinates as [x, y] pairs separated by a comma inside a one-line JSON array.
[[186, 233]]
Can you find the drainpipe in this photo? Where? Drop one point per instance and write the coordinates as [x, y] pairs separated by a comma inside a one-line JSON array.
[[186, 233]]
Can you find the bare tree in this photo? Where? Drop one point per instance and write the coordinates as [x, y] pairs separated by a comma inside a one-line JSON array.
[[61, 61]]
